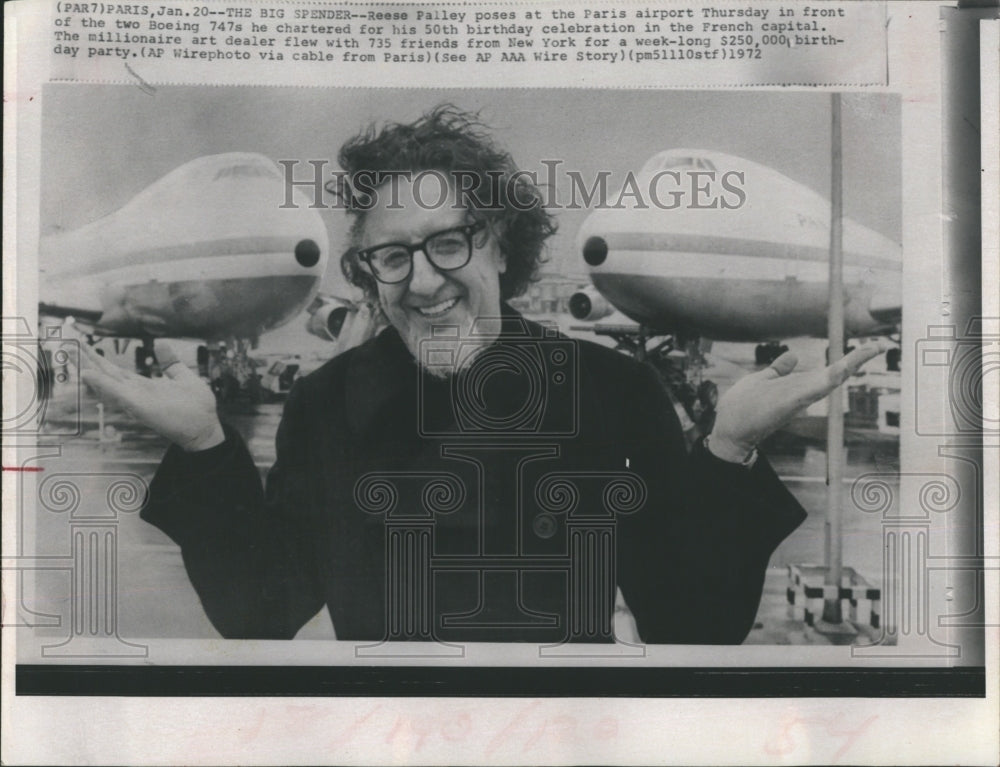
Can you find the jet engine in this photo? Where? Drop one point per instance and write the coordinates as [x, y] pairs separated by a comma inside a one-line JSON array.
[[589, 304], [327, 319]]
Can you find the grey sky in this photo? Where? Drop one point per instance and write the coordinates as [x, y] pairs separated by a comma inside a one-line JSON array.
[[103, 144]]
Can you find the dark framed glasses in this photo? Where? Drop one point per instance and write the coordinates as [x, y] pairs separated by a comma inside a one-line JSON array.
[[447, 250]]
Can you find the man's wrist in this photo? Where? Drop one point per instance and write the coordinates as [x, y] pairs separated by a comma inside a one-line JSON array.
[[725, 450], [212, 437]]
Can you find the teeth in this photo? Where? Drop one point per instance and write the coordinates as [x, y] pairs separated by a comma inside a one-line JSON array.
[[437, 309]]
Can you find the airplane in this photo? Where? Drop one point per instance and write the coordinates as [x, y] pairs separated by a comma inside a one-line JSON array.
[[755, 272], [208, 252]]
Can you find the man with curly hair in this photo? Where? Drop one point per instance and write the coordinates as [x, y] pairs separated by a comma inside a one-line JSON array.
[[449, 174], [416, 497]]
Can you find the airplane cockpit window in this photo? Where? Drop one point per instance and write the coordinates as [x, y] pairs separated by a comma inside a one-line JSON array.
[[698, 163], [246, 170], [669, 163]]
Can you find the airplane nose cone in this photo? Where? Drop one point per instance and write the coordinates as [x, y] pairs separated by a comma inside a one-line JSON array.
[[595, 250], [307, 253]]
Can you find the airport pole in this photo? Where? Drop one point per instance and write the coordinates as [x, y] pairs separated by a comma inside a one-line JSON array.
[[100, 425], [835, 410]]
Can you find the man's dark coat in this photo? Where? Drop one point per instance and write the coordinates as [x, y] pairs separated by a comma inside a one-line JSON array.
[[371, 442]]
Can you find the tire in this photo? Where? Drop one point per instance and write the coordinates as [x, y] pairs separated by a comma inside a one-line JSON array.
[[708, 394]]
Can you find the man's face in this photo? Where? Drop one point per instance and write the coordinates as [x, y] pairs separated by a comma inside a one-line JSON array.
[[431, 297]]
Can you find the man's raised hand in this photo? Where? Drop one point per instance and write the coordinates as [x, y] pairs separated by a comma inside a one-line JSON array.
[[760, 403], [180, 406]]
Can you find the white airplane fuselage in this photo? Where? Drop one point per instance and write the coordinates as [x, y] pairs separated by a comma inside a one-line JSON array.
[[207, 252], [753, 272]]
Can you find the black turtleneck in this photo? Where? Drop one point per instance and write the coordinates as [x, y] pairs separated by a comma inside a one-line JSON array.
[[498, 472]]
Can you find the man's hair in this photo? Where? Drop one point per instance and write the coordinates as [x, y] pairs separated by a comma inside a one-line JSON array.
[[454, 143]]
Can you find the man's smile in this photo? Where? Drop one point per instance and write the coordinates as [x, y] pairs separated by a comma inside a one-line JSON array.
[[439, 309]]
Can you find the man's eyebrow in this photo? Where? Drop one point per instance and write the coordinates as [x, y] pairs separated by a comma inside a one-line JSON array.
[[413, 236]]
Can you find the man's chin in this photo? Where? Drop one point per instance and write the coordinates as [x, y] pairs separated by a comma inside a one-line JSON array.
[[442, 356], [440, 372]]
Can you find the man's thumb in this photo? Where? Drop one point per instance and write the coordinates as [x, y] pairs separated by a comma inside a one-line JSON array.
[[782, 366]]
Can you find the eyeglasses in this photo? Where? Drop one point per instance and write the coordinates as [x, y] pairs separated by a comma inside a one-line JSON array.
[[447, 250]]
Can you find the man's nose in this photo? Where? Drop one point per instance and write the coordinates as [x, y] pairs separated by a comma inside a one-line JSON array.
[[425, 278]]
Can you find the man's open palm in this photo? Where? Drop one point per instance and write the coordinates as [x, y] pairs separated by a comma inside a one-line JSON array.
[[180, 406], [760, 403]]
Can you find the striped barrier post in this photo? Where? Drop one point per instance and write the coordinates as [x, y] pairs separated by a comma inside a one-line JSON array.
[[807, 593]]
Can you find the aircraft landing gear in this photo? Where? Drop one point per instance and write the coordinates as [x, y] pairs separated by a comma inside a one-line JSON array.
[[226, 388], [893, 357], [679, 361], [231, 372], [145, 358], [767, 353], [708, 394], [203, 359]]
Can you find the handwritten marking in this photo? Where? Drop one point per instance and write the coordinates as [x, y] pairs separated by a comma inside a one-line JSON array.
[[784, 742], [352, 729], [143, 85], [528, 729], [515, 725]]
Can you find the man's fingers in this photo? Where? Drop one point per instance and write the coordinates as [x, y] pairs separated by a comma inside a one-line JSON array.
[[165, 353], [87, 359], [810, 387], [170, 364], [102, 365], [782, 366], [849, 364], [78, 362], [108, 386]]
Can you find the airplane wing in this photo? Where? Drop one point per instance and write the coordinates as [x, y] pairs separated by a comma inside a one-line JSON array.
[[606, 329], [90, 321], [91, 316]]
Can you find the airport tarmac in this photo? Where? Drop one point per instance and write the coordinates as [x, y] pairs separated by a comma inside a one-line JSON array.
[[155, 598]]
